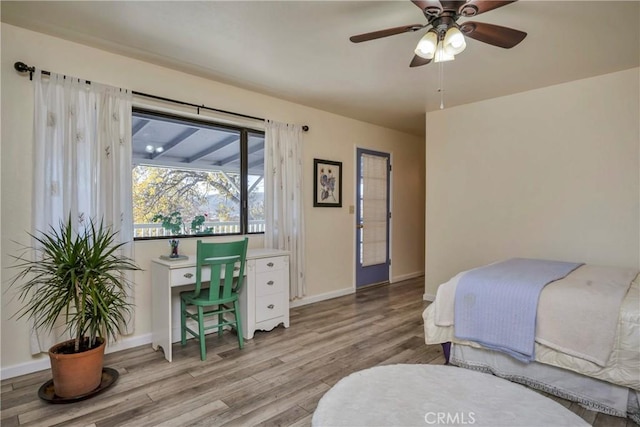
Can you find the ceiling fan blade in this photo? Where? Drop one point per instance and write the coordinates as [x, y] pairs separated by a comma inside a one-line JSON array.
[[493, 34], [385, 33], [453, 5], [428, 7], [418, 61], [476, 7]]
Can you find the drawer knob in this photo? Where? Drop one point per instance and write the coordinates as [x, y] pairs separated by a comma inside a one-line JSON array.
[[270, 283], [270, 306], [236, 268], [188, 275], [269, 264]]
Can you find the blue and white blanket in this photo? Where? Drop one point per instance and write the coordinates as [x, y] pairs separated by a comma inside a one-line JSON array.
[[496, 305]]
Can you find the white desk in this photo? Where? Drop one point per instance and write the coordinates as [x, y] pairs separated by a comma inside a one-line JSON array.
[[264, 298]]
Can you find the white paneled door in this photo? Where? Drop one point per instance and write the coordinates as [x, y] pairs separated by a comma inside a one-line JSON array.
[[372, 217]]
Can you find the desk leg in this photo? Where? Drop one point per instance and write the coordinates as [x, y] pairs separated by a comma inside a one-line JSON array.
[[246, 312], [248, 300], [161, 309]]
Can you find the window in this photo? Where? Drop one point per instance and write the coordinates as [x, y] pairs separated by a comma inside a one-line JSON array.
[[194, 178]]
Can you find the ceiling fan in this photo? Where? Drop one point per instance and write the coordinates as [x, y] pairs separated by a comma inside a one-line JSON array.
[[446, 38]]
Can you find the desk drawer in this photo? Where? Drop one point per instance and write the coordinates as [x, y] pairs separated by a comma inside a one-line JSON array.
[[187, 275], [269, 307], [271, 264], [271, 282]]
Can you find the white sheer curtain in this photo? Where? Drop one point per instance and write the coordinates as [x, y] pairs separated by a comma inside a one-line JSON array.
[[82, 167], [284, 207]]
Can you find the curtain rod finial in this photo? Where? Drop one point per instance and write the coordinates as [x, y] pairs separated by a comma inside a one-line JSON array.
[[21, 67]]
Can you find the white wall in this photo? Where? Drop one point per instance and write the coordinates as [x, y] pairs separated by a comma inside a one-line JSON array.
[[330, 232], [551, 173]]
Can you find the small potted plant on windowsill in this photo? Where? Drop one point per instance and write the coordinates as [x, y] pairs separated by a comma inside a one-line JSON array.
[[76, 277], [171, 222], [175, 225], [197, 225]]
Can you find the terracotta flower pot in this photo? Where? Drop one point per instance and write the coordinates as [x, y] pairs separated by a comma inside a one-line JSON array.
[[76, 374]]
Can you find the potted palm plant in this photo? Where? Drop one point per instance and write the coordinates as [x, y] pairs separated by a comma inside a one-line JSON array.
[[76, 277]]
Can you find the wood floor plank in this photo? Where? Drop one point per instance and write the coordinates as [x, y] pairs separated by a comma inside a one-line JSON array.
[[170, 412], [285, 418], [190, 385], [10, 421], [29, 402], [30, 379], [303, 422], [57, 414], [185, 418], [99, 417], [276, 380], [585, 414], [604, 420], [276, 407]]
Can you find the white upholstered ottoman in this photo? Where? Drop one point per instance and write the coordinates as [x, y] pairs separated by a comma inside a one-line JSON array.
[[423, 395]]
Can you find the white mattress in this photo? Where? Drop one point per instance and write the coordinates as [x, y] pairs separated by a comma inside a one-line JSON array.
[[622, 368]]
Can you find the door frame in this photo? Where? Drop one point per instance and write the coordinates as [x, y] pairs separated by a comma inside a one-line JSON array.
[[356, 181]]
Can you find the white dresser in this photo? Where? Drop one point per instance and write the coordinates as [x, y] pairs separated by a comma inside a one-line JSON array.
[[264, 298]]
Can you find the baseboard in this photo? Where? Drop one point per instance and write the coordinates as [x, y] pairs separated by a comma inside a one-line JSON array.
[[408, 276], [347, 291], [128, 342], [428, 297], [321, 297], [41, 362]]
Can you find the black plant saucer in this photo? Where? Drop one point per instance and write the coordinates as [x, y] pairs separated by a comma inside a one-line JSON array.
[[48, 394]]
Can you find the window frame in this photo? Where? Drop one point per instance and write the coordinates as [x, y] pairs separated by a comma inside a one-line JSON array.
[[207, 122]]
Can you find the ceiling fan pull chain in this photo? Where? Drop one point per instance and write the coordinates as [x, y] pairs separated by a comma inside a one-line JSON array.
[[441, 84]]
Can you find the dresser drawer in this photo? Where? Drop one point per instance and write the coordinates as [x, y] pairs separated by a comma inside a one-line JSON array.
[[271, 264], [271, 282], [187, 275], [270, 306]]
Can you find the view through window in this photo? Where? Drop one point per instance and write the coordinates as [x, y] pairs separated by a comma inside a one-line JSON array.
[[194, 178]]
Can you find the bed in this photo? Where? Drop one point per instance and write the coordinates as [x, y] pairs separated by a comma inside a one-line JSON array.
[[592, 358]]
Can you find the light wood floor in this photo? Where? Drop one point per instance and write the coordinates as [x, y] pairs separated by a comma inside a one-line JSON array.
[[276, 380]]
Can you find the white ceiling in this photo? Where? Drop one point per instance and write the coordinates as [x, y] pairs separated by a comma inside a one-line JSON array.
[[300, 50]]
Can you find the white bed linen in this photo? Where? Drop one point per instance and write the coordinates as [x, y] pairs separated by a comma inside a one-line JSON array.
[[560, 323], [622, 368], [591, 393]]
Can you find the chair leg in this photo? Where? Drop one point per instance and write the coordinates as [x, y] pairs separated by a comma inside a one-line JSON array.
[[203, 350], [183, 322], [220, 321], [236, 313]]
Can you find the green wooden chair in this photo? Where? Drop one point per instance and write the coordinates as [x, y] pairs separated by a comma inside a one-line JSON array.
[[226, 261]]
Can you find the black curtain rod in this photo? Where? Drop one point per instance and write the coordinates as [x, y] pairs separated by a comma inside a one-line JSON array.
[[21, 67]]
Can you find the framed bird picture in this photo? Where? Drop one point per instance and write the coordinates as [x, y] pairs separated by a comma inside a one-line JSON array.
[[327, 184]]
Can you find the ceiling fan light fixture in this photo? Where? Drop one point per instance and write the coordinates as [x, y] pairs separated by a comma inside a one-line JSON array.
[[427, 45], [442, 55], [454, 41], [445, 37]]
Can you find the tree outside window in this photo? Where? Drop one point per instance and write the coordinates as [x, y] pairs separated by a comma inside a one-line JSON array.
[[190, 177]]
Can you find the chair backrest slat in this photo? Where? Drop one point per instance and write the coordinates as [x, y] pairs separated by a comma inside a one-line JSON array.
[[226, 261]]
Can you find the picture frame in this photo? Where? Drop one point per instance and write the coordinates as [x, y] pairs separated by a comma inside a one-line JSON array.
[[327, 184]]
